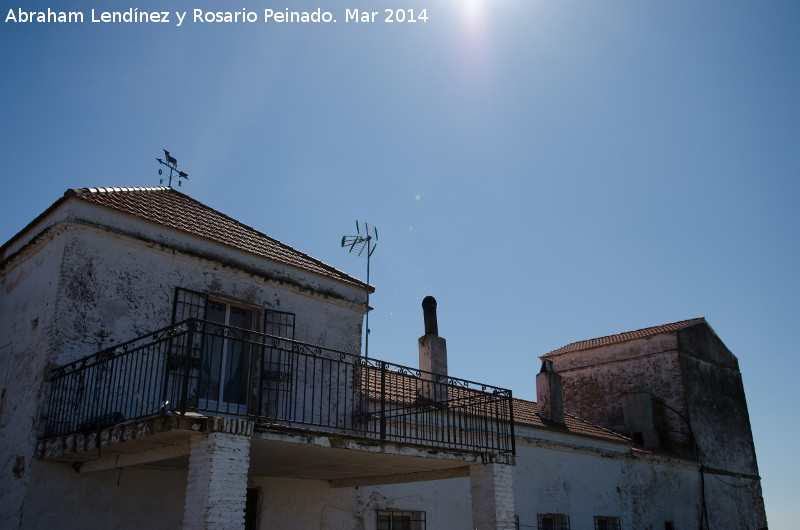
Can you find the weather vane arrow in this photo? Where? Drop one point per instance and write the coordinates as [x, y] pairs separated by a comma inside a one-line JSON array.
[[172, 164]]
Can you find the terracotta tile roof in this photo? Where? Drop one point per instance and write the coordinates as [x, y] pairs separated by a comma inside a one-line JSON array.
[[402, 390], [623, 337], [172, 209], [527, 413]]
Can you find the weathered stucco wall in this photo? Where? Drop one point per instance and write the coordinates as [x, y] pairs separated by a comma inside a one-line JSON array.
[[596, 380], [116, 288], [293, 504], [693, 380], [28, 295], [716, 402], [130, 498], [642, 491], [717, 409], [576, 476], [735, 502]]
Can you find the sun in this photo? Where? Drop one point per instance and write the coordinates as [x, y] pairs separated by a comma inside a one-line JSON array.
[[473, 11]]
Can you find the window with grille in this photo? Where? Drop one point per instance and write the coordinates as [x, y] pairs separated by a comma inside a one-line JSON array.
[[279, 323], [278, 365], [400, 520], [188, 304], [193, 304], [553, 521], [602, 522], [224, 363]]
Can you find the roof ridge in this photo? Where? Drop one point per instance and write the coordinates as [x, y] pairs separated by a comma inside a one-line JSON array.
[[190, 198], [119, 199], [236, 221], [625, 336], [167, 189], [114, 189]]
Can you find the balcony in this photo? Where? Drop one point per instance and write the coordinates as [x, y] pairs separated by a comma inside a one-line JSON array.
[[200, 369]]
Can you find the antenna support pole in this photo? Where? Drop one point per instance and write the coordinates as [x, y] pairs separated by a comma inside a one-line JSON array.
[[366, 340], [363, 245]]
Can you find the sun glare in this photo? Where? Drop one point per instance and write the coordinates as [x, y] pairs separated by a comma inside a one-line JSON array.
[[472, 11]]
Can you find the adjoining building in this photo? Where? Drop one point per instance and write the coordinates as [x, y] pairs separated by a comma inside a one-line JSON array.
[[164, 365]]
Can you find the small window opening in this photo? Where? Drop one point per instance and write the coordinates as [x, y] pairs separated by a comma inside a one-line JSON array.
[[553, 521], [602, 522], [400, 520]]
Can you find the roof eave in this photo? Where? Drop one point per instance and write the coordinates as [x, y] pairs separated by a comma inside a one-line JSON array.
[[19, 235]]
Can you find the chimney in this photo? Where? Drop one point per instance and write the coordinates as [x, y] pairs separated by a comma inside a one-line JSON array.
[[432, 356], [549, 393], [637, 408], [429, 313]]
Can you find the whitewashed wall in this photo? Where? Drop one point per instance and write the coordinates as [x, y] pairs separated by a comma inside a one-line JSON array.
[[28, 296], [130, 499], [555, 473], [85, 278], [116, 288], [642, 491], [291, 504]]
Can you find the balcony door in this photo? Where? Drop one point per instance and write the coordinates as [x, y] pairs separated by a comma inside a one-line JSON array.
[[227, 358]]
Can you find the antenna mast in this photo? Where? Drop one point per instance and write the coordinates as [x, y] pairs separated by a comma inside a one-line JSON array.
[[363, 245]]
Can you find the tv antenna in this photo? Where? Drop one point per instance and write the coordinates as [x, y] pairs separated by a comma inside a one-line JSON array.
[[172, 164], [363, 245]]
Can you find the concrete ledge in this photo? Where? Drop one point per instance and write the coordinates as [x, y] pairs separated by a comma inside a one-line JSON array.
[[401, 478], [370, 445], [136, 436]]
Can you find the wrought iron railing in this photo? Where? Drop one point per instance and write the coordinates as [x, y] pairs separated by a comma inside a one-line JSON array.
[[200, 366]]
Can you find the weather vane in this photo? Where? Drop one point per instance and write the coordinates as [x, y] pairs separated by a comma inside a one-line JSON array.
[[363, 245], [172, 164]]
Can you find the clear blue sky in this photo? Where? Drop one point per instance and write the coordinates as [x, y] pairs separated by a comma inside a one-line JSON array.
[[550, 171]]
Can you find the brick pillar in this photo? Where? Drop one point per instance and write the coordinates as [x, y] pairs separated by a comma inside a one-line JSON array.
[[216, 489], [492, 488]]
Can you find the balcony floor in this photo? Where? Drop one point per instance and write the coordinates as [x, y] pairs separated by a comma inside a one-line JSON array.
[[162, 441]]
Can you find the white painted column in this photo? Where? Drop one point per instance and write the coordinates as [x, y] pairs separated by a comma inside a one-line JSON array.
[[216, 491], [492, 488]]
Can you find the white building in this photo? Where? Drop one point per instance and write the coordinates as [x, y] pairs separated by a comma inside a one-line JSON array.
[[164, 365]]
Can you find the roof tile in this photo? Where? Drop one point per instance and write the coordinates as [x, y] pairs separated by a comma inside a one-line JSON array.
[[623, 337], [527, 413], [172, 209], [402, 389]]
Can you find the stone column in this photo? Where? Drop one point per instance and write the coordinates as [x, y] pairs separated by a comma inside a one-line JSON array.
[[492, 489], [216, 491]]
